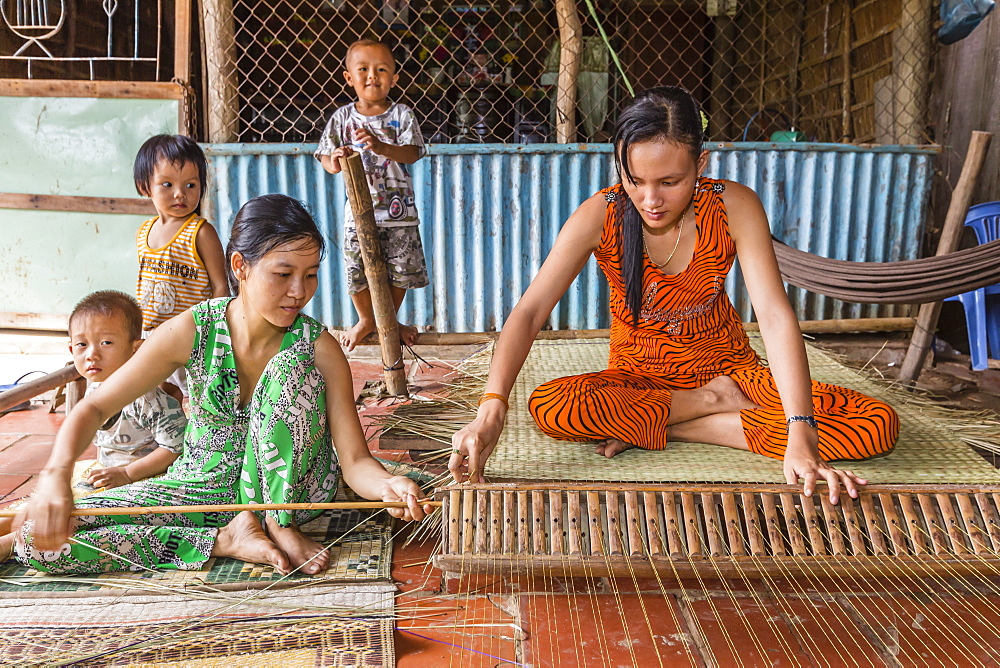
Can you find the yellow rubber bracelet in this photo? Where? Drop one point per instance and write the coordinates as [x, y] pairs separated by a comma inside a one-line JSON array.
[[493, 395]]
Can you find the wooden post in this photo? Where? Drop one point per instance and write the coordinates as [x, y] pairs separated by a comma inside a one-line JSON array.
[[182, 63], [219, 49], [793, 72], [884, 105], [371, 256], [910, 64], [845, 88], [75, 391], [951, 235], [570, 58], [723, 58]]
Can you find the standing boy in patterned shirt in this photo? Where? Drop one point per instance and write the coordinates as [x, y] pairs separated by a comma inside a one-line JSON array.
[[387, 136]]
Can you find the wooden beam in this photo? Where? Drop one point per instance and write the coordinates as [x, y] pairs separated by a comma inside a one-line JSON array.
[[77, 203], [131, 90], [951, 235], [31, 389], [46, 322], [845, 325]]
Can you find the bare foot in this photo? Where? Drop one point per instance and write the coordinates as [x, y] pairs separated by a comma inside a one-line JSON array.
[[611, 447], [407, 334], [244, 539], [6, 547], [301, 551], [726, 396], [353, 336]]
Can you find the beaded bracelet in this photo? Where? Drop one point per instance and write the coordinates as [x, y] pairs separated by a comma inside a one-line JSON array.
[[493, 395]]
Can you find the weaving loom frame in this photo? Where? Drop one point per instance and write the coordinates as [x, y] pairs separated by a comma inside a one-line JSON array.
[[888, 530]]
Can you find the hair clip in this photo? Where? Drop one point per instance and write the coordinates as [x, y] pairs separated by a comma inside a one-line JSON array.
[[704, 121]]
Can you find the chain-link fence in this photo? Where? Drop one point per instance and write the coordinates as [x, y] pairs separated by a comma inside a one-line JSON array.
[[545, 70]]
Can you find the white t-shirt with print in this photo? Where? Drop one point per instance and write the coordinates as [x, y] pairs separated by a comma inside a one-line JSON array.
[[154, 420], [388, 181]]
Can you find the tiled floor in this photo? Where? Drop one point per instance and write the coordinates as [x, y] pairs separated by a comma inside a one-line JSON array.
[[497, 619]]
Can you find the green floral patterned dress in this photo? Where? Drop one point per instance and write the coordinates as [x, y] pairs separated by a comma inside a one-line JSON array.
[[277, 449]]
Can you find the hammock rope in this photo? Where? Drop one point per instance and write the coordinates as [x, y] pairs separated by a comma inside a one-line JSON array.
[[920, 281]]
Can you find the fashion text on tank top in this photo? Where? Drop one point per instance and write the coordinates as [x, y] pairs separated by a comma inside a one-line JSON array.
[[171, 278]]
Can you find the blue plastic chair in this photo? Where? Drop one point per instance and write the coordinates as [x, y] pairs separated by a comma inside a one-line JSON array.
[[982, 321]]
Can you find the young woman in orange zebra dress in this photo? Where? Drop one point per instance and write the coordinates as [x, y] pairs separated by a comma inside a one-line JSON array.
[[681, 367]]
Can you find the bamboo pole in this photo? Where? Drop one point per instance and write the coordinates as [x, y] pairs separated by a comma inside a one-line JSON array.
[[236, 507], [570, 58], [33, 388], [219, 49], [961, 199], [378, 284]]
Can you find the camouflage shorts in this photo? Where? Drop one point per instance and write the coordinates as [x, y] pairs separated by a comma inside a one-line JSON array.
[[403, 253]]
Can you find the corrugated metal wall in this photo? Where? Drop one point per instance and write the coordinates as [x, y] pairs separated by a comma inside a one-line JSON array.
[[489, 214]]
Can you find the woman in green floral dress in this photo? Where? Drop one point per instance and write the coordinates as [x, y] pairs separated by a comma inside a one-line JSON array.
[[270, 389]]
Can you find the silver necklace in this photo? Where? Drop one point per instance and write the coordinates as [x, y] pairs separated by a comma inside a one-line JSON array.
[[680, 231]]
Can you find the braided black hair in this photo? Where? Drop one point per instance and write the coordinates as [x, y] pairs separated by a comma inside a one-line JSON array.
[[665, 113]]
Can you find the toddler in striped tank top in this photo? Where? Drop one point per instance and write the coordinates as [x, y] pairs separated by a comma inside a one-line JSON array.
[[181, 262]]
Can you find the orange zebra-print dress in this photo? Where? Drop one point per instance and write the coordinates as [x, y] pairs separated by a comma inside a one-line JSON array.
[[689, 333]]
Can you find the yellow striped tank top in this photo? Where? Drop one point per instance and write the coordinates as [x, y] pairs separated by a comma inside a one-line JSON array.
[[172, 278]]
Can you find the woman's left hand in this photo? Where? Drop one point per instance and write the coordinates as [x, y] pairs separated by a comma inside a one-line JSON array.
[[810, 467], [401, 488]]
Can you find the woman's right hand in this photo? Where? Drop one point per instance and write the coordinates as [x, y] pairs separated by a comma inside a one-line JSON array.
[[49, 510], [476, 441]]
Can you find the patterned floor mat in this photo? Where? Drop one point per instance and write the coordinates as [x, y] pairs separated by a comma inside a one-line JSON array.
[[345, 625]]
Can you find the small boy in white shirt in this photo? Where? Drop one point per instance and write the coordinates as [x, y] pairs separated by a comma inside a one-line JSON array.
[[145, 438]]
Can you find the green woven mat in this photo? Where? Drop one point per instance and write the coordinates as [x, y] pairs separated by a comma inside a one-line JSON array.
[[362, 550], [927, 451]]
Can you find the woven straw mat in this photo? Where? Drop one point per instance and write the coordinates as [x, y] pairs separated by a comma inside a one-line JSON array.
[[233, 629], [927, 450]]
